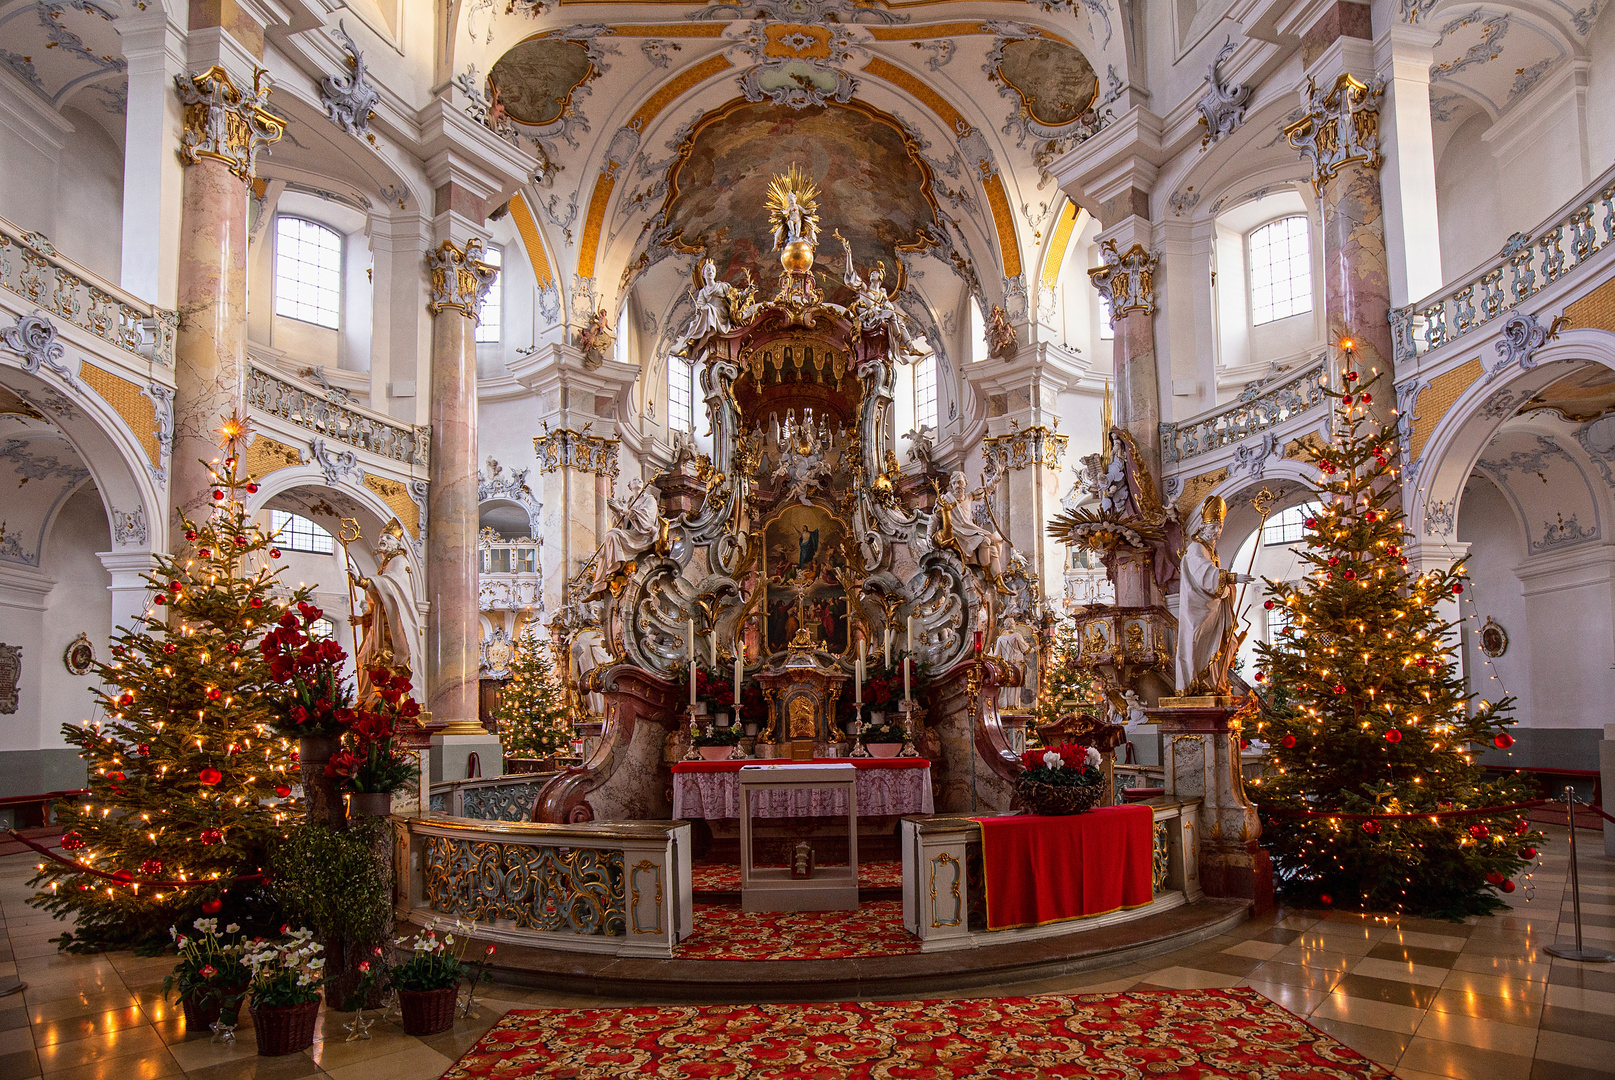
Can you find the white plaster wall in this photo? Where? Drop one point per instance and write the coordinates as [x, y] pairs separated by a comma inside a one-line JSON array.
[[1489, 526], [1469, 201], [79, 603], [1601, 95], [89, 218]]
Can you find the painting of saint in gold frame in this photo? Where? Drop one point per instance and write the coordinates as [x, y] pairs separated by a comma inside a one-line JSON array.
[[803, 546]]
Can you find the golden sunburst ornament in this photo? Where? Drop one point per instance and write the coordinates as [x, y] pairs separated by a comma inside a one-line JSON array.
[[793, 212]]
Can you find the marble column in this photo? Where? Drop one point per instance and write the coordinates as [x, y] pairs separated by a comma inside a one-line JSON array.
[[459, 280], [224, 130], [1126, 279], [1340, 135]]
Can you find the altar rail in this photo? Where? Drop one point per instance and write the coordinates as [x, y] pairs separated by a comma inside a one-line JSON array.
[[1561, 246], [620, 888], [32, 268], [944, 904], [500, 798]]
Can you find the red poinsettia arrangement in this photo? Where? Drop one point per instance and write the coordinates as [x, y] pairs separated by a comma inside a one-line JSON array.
[[1066, 765], [372, 758], [311, 671], [715, 688]]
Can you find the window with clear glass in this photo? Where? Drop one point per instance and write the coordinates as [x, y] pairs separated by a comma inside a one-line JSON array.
[[322, 629], [490, 314], [1280, 256], [526, 560], [308, 272], [680, 395], [1278, 617], [925, 393], [1287, 526], [297, 533]]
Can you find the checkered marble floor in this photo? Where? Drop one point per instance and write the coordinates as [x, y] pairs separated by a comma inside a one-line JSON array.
[[1470, 1001]]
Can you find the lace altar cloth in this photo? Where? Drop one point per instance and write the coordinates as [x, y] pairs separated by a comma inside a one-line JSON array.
[[885, 786]]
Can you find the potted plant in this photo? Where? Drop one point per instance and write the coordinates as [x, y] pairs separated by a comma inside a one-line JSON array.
[[428, 982], [210, 977], [315, 700], [882, 737], [372, 764], [716, 743], [1062, 780], [285, 990]]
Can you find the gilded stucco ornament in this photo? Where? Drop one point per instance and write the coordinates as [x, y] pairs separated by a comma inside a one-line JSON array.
[[223, 123], [1126, 279], [1339, 128], [460, 277], [563, 448], [1022, 448]]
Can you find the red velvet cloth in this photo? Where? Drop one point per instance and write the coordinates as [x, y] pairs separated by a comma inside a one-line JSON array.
[[1042, 870], [861, 762]]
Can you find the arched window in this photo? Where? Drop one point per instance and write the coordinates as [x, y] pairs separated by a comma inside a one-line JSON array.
[[925, 392], [308, 272], [490, 315], [680, 394], [1287, 526], [1280, 254], [297, 533]]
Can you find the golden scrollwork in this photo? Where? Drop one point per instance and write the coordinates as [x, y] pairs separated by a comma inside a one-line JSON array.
[[641, 867], [223, 123], [799, 711], [575, 890], [1162, 862], [1126, 279], [1339, 128], [460, 277], [947, 862]]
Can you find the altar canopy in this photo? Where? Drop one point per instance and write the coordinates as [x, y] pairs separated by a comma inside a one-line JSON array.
[[1041, 870], [889, 786]]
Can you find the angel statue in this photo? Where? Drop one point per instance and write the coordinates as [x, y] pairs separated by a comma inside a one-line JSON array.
[[1206, 638], [638, 528], [793, 208], [802, 467], [954, 525], [872, 306]]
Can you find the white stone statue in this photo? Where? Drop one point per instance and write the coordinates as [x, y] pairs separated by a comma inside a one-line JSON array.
[[637, 517], [1012, 649], [872, 306], [1206, 638], [954, 525], [802, 467], [589, 651], [711, 307]]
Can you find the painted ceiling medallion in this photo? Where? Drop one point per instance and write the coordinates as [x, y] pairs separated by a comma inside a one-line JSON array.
[[535, 80], [1054, 81]]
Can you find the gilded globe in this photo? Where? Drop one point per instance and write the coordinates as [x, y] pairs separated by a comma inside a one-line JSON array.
[[797, 258]]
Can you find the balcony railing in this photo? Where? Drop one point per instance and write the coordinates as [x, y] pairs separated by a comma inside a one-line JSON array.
[[309, 407], [32, 268], [1255, 410], [1530, 262]]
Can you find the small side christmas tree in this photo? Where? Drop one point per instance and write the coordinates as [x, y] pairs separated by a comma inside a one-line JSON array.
[[188, 781], [1066, 680], [532, 715], [1368, 715]]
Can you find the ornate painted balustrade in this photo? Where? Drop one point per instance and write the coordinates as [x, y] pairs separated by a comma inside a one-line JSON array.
[[35, 272], [1273, 412], [944, 901], [501, 798], [621, 888], [1562, 247], [324, 413]]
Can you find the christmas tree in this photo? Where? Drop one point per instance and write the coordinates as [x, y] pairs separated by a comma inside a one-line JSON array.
[[1067, 682], [189, 783], [532, 714], [1366, 802]]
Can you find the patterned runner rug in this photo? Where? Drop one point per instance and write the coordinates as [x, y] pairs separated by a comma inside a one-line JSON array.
[[1185, 1035], [724, 932], [725, 877]]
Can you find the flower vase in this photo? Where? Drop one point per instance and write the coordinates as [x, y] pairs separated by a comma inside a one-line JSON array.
[[324, 804], [714, 753], [369, 804], [884, 749], [285, 1029], [427, 1012]]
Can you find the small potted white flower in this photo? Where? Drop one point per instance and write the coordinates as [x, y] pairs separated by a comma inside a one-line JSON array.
[[287, 974]]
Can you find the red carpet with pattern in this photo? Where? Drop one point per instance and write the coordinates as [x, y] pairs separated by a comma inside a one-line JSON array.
[[724, 932], [725, 877], [1184, 1035]]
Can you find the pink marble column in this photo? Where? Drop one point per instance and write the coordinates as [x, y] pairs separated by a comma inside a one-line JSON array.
[[1126, 279], [211, 344], [459, 279], [1356, 274]]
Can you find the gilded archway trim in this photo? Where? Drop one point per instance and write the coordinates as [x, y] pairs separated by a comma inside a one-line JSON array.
[[533, 241], [1059, 240]]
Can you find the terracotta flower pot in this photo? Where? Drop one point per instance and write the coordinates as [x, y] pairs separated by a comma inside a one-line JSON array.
[[204, 1006], [715, 753], [884, 749], [369, 804], [285, 1029], [427, 1012]]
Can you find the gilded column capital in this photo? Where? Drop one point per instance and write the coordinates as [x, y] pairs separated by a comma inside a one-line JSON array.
[[563, 448], [460, 277], [1126, 279], [1340, 128], [222, 122]]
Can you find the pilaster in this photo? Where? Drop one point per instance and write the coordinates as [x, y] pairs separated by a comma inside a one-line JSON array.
[[1402, 57], [153, 176]]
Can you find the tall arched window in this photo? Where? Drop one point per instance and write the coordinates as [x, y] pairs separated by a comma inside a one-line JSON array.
[[925, 392], [490, 316], [1280, 255], [308, 272], [680, 394]]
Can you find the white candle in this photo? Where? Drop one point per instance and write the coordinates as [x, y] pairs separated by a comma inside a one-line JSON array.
[[911, 635], [737, 681], [689, 641], [888, 646], [858, 682], [712, 639], [863, 652], [692, 684], [906, 695]]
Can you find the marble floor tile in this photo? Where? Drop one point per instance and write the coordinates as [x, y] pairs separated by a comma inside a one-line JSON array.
[[1463, 1062], [1363, 1012], [1375, 1044], [1576, 1050], [1478, 1032], [1184, 978], [1400, 971], [417, 1063]]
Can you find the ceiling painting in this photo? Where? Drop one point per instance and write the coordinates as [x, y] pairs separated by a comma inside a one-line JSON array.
[[876, 187], [535, 80], [1586, 395], [1054, 81]]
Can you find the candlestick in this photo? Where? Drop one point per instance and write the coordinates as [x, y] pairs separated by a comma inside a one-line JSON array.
[[907, 695]]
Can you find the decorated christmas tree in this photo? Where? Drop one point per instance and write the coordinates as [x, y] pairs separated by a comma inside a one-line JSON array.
[[189, 784], [532, 715], [1067, 682], [1373, 798]]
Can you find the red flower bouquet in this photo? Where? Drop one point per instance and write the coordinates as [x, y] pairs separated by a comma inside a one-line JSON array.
[[372, 759], [311, 671]]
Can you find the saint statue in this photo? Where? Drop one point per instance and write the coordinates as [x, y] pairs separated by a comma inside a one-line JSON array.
[[376, 645], [711, 305], [638, 524], [802, 467], [1206, 637], [589, 651], [954, 525], [1011, 649], [872, 306]]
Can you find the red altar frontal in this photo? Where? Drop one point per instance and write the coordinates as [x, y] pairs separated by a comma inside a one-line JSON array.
[[887, 787]]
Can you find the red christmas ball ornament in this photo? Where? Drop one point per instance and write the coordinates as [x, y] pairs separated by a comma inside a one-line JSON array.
[[283, 791], [1351, 575], [1521, 828], [1312, 523], [190, 534], [1269, 605], [241, 541], [212, 907], [1528, 853], [211, 836], [274, 553], [1351, 376], [1479, 832], [1393, 550], [296, 756], [1334, 560], [256, 601], [1345, 399], [1457, 588], [175, 587], [1393, 736], [218, 494], [160, 599], [1507, 886], [1325, 899], [143, 750], [1503, 741], [1261, 676], [1371, 827], [232, 648], [204, 553], [1366, 398], [151, 867], [1371, 516], [252, 489], [1288, 742], [115, 777], [169, 648], [1340, 688], [72, 841], [229, 462], [214, 693], [127, 698], [210, 776], [1494, 878]]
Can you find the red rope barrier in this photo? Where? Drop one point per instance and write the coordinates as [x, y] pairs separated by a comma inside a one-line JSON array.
[[1599, 810], [1480, 812], [83, 869]]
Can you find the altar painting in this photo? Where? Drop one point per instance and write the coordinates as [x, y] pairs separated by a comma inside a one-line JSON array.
[[803, 545]]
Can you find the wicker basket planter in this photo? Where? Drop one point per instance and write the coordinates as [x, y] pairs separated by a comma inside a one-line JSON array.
[[1055, 800], [285, 1029], [204, 1008], [427, 1012]]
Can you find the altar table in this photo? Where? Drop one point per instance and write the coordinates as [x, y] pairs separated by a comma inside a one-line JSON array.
[[885, 786], [1039, 870]]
